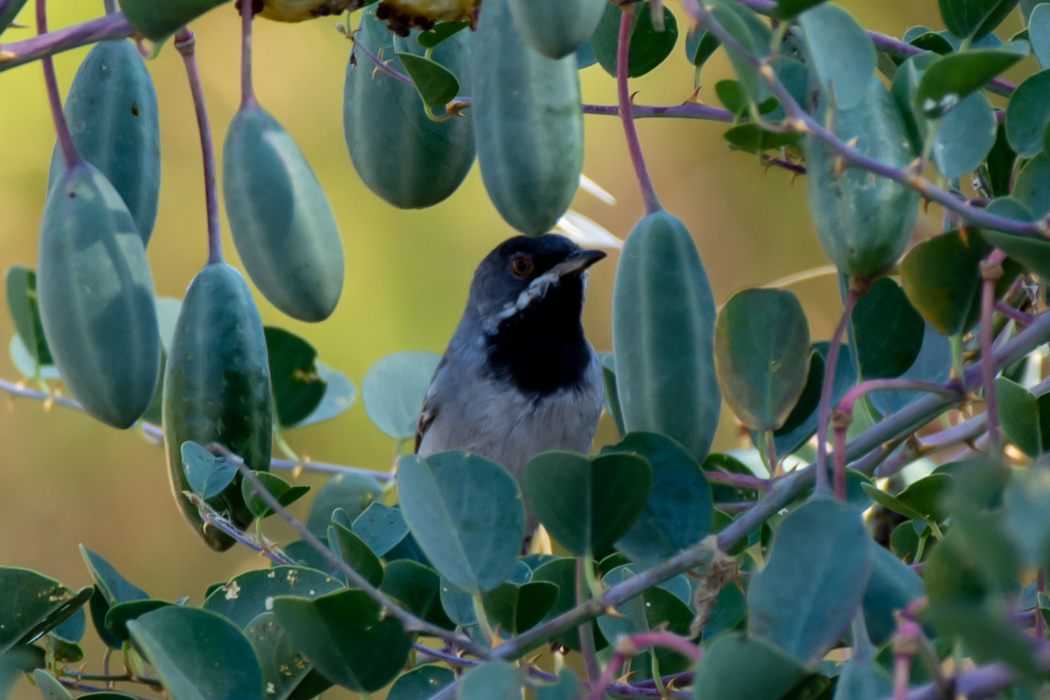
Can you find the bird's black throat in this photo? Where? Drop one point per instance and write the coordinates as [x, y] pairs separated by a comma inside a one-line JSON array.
[[542, 350]]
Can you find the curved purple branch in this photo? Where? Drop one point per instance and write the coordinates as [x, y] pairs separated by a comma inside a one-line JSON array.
[[17, 53]]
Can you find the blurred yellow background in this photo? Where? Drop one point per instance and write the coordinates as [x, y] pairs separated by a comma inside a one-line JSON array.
[[67, 479]]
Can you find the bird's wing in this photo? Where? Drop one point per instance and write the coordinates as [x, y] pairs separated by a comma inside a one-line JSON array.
[[429, 411]]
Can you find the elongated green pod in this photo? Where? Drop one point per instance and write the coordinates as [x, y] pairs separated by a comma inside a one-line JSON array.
[[401, 154], [663, 319], [95, 294], [158, 19], [112, 113], [863, 221], [528, 123], [557, 28], [280, 218], [217, 389]]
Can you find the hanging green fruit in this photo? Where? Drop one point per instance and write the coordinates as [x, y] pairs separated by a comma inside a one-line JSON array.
[[557, 28], [95, 294], [280, 218], [217, 389], [402, 155], [528, 122], [112, 113], [863, 221], [663, 318]]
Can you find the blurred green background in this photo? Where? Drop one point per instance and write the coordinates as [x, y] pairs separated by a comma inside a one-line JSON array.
[[67, 479]]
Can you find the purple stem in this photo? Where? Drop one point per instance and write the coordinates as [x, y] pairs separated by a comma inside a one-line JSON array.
[[185, 43], [734, 508], [740, 480], [824, 408], [381, 65], [239, 536], [630, 647], [584, 631], [951, 390], [247, 89], [796, 119], [107, 27], [1010, 312], [70, 156], [1040, 587], [991, 271], [652, 204]]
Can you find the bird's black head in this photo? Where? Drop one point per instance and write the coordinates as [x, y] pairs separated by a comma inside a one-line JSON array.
[[528, 293]]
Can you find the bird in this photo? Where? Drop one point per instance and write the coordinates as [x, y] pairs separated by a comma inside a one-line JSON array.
[[518, 376]]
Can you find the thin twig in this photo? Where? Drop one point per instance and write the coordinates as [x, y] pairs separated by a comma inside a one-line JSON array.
[[185, 42], [827, 383], [991, 271], [247, 89], [1010, 312], [18, 53], [645, 183], [70, 155]]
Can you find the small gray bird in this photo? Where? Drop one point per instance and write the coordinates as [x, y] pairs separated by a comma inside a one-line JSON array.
[[518, 376]]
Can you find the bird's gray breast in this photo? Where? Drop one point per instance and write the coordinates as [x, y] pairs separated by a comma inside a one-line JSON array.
[[495, 420]]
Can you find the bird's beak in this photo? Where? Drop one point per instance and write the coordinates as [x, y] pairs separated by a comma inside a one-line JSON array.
[[576, 263]]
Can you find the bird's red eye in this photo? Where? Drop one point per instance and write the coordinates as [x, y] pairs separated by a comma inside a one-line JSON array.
[[521, 266]]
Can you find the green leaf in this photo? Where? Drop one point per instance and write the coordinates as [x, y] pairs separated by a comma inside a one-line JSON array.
[[285, 493], [436, 84], [813, 581], [340, 394], [1032, 185], [974, 18], [297, 387], [1039, 33], [989, 635], [567, 687], [346, 637], [1027, 512], [421, 683], [351, 492], [418, 588], [114, 587], [496, 680], [720, 675], [20, 283], [732, 96], [118, 616], [352, 550], [23, 361], [244, 597], [677, 513], [842, 54], [861, 679], [762, 355], [393, 389], [738, 29], [9, 13], [891, 502], [587, 504], [700, 45], [1028, 113], [1031, 251], [33, 605], [892, 586], [1020, 416], [754, 139], [441, 31], [381, 527], [611, 399], [786, 9], [49, 686], [648, 46], [561, 571], [964, 136], [888, 332], [73, 627], [197, 655], [466, 513], [951, 78], [518, 608], [801, 423], [942, 279], [286, 673], [208, 474]]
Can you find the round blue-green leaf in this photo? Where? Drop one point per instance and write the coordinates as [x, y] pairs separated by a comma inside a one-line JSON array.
[[198, 655], [1019, 416], [244, 597], [208, 474], [762, 355], [964, 136], [297, 386], [287, 675], [941, 279], [813, 581], [352, 550], [735, 667], [118, 616], [351, 492], [1028, 113], [393, 389], [951, 78], [1039, 33], [516, 608], [280, 218], [587, 504], [33, 605], [467, 514], [496, 680], [933, 364], [421, 683], [285, 493], [861, 679], [842, 54], [893, 586], [888, 332], [49, 686], [1032, 185], [567, 687], [380, 527], [677, 513], [974, 18], [113, 586], [418, 588], [648, 46], [339, 395], [663, 318], [436, 84], [20, 285], [561, 571], [346, 637]]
